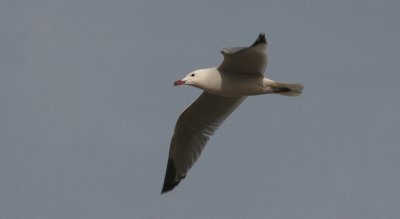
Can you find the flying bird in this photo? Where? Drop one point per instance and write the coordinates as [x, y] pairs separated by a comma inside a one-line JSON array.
[[225, 87]]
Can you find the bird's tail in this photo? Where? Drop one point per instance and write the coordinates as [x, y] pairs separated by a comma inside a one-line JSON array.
[[287, 89]]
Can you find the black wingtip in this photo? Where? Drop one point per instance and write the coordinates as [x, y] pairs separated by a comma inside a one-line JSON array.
[[260, 40], [170, 175]]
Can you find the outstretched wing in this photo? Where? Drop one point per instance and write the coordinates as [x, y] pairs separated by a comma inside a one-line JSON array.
[[192, 131], [248, 60]]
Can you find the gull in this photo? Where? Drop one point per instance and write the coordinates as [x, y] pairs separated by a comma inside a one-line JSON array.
[[225, 87]]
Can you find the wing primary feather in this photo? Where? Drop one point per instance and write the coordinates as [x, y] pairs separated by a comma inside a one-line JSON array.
[[260, 40], [170, 176]]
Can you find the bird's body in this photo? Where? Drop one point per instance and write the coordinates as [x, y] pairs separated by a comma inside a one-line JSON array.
[[225, 87], [239, 84], [221, 83]]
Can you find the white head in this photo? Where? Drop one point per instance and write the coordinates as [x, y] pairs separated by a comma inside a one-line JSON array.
[[196, 78]]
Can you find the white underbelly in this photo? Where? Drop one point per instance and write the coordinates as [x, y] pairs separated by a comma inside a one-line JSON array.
[[238, 85]]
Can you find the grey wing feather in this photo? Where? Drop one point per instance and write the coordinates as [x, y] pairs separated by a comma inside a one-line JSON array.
[[192, 131], [248, 60]]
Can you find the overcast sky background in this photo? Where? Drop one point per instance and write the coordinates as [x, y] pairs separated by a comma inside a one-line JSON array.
[[87, 109]]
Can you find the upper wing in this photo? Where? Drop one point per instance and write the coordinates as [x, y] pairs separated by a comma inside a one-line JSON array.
[[192, 131], [248, 60]]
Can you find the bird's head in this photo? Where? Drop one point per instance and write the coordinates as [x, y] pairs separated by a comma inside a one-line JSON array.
[[194, 78]]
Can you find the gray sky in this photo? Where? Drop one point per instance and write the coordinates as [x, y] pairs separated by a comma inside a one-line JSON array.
[[88, 109]]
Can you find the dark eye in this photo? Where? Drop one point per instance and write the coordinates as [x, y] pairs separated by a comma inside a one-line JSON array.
[[192, 75]]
